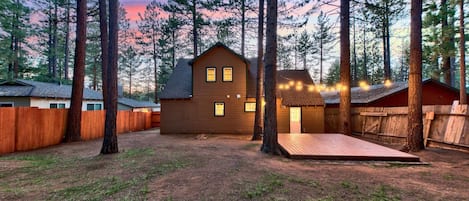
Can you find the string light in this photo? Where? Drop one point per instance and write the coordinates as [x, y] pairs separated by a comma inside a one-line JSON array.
[[387, 83]]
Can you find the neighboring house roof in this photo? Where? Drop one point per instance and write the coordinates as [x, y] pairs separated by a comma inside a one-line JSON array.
[[179, 85], [28, 88], [374, 93], [135, 103]]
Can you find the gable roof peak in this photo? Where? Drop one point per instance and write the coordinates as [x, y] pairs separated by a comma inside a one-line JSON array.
[[219, 44]]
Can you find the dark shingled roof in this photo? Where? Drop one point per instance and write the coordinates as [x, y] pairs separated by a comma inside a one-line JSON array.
[[219, 44], [293, 97], [375, 92], [135, 103], [179, 85], [28, 88]]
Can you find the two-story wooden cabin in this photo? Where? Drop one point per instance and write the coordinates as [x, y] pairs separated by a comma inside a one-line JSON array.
[[215, 93]]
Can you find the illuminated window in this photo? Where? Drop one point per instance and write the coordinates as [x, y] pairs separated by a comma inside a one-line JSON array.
[[211, 74], [219, 109], [227, 74], [249, 107]]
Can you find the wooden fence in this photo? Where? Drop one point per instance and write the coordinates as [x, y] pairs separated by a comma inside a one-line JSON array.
[[443, 124], [155, 119], [25, 128]]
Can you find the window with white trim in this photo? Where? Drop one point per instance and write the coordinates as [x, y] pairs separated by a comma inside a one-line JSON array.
[[93, 106], [57, 105]]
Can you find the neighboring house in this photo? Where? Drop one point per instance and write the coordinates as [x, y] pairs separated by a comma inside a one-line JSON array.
[[27, 93], [135, 105], [396, 95], [215, 93]]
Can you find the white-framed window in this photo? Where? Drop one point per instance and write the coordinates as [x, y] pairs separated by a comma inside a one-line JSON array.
[[211, 74], [219, 109], [249, 106], [94, 106], [7, 104], [227, 74], [57, 105]]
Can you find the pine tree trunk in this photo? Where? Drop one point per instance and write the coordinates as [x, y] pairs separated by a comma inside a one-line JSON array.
[[74, 114], [103, 27], [155, 71], [355, 67], [446, 60], [387, 45], [462, 53], [194, 27], [345, 116], [55, 22], [260, 75], [365, 68], [415, 125], [243, 25], [320, 61], [67, 39], [110, 130], [270, 140]]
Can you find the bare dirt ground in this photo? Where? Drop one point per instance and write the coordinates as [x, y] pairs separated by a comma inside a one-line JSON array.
[[221, 167]]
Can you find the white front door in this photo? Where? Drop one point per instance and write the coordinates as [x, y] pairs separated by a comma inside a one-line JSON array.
[[295, 119]]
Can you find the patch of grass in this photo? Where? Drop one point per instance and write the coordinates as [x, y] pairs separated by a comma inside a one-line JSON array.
[[303, 181], [36, 161], [267, 184], [381, 194], [350, 187], [134, 153], [251, 146], [17, 192], [448, 176], [328, 198]]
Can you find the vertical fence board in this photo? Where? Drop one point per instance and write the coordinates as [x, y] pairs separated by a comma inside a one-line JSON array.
[[155, 119], [92, 124], [7, 130]]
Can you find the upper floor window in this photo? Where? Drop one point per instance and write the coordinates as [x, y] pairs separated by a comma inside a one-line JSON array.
[[227, 74], [211, 74], [57, 105]]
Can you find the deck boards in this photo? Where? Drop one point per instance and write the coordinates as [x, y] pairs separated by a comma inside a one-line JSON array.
[[338, 147]]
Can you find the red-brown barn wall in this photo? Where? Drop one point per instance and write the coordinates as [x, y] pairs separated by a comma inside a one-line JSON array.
[[432, 94]]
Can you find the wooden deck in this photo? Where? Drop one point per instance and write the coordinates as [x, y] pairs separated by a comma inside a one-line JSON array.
[[338, 147]]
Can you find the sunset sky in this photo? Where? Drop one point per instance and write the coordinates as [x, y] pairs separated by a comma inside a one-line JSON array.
[[134, 7]]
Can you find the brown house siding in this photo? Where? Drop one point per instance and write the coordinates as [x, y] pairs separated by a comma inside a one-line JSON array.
[[283, 118], [219, 57], [196, 114], [312, 119]]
